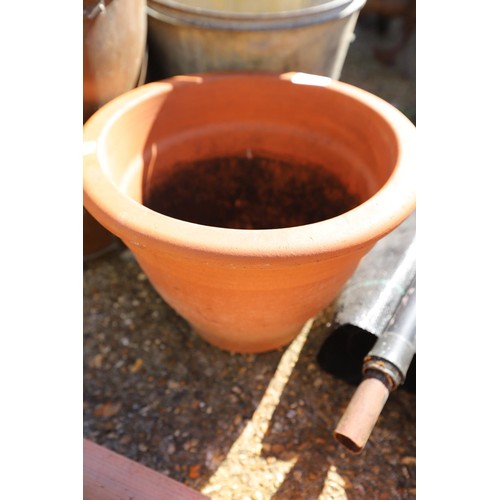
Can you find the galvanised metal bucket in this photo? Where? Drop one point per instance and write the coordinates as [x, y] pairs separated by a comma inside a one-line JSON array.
[[192, 36]]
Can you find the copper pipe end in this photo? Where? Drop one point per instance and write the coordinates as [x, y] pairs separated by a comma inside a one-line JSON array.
[[361, 415]]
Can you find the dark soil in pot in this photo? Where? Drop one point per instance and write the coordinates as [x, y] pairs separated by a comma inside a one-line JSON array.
[[250, 193]]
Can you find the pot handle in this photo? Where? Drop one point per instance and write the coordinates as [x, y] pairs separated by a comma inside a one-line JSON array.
[[95, 9]]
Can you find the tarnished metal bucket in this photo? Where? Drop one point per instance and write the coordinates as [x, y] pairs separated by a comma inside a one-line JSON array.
[[191, 36], [114, 47], [114, 62]]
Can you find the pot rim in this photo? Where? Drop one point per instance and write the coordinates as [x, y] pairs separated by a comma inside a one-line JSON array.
[[361, 226]]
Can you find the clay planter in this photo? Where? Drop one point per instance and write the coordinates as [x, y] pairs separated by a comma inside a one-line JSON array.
[[247, 290]]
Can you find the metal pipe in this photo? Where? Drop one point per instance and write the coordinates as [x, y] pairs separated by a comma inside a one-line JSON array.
[[396, 346], [384, 369], [375, 291], [361, 415]]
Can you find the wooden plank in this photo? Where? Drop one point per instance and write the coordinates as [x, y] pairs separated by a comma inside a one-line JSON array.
[[110, 476]]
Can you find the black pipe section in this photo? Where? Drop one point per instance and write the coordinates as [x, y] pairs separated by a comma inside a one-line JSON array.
[[368, 303]]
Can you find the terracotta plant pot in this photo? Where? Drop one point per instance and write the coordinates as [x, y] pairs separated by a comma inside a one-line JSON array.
[[247, 290]]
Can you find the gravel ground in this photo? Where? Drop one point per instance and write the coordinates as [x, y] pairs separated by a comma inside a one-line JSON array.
[[230, 425]]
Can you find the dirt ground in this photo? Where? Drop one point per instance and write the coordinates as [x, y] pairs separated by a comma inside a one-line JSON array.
[[239, 426]]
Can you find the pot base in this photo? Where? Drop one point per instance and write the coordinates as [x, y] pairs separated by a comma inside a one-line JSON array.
[[253, 344]]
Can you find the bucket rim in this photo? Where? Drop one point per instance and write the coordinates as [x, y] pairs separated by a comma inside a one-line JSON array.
[[176, 10]]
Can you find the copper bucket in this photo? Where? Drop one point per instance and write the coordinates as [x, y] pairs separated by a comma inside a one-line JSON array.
[[114, 62]]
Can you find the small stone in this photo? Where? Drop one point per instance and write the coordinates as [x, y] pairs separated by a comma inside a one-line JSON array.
[[347, 483], [191, 445], [107, 425], [127, 439], [97, 361], [107, 409], [136, 366], [277, 448], [194, 471], [142, 447], [173, 384]]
